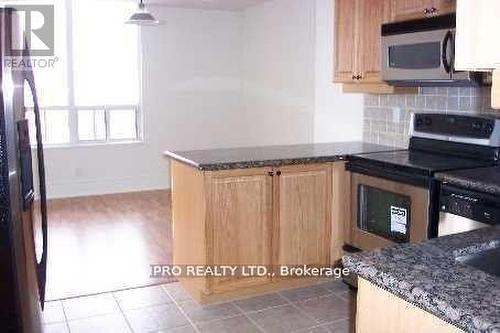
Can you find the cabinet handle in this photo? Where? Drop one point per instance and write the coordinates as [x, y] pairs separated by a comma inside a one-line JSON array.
[[271, 174], [430, 11], [278, 173], [353, 77]]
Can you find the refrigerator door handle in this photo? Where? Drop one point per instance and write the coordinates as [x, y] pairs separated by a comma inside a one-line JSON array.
[[42, 265]]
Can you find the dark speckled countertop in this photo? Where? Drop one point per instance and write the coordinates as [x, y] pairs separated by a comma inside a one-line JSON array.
[[428, 275], [272, 156], [483, 179]]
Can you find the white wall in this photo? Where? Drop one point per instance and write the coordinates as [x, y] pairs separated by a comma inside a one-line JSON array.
[[220, 79], [278, 77], [191, 100], [338, 116]]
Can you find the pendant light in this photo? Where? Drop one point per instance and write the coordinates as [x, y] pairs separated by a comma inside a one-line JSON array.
[[142, 16]]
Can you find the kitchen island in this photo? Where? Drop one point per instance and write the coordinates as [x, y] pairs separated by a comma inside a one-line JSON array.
[[430, 286], [267, 206]]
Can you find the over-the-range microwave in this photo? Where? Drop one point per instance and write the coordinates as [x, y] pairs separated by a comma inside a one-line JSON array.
[[422, 53]]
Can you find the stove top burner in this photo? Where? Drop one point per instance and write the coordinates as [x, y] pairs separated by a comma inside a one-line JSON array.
[[422, 162], [439, 142]]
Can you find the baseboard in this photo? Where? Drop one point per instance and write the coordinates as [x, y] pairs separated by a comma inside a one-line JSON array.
[[79, 188]]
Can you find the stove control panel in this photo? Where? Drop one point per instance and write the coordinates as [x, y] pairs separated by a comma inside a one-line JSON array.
[[458, 128]]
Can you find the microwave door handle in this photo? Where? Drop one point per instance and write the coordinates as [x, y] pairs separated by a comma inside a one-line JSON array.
[[448, 38]]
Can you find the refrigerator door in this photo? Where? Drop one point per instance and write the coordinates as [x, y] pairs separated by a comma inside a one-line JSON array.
[[22, 287], [36, 211]]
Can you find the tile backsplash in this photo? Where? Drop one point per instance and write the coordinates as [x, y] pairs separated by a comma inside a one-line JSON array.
[[386, 118]]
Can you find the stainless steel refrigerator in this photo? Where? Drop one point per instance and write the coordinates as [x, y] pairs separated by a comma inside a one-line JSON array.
[[23, 209]]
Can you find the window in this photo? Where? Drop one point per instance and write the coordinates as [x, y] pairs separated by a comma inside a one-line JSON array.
[[92, 93]]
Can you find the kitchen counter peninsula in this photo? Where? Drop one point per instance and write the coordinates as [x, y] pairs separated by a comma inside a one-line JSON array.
[[272, 156], [434, 279], [274, 205]]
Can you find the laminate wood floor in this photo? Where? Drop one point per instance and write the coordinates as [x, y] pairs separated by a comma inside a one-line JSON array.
[[107, 243]]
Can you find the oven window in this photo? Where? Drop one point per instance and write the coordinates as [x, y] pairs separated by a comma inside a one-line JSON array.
[[383, 213], [415, 56]]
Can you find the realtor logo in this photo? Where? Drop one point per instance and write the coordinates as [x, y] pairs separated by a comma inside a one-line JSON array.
[[37, 24]]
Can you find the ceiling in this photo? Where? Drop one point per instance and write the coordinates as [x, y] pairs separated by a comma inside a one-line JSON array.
[[207, 4]]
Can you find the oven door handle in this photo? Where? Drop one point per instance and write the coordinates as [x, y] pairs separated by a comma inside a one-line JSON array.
[[447, 64]]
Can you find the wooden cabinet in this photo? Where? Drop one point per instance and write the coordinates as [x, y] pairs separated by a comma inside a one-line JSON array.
[[379, 311], [239, 221], [495, 90], [345, 39], [303, 215], [476, 46], [358, 45], [358, 30], [372, 14], [341, 210], [413, 9], [262, 216]]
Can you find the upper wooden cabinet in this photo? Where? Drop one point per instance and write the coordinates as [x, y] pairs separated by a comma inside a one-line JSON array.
[[477, 47], [372, 14], [358, 44], [345, 40], [478, 26], [358, 40], [412, 9]]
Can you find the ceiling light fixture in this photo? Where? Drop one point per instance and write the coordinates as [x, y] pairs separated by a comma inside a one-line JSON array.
[[142, 16]]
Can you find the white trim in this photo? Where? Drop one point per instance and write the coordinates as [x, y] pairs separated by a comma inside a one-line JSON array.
[[70, 64], [80, 188], [86, 144]]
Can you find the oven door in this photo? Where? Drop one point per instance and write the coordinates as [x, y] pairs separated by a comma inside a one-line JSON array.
[[386, 212], [418, 56]]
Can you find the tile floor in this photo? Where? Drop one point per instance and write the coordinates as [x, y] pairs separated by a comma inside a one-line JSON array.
[[323, 307]]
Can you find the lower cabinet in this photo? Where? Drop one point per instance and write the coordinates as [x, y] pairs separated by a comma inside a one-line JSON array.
[[302, 232], [262, 216], [379, 311], [240, 222]]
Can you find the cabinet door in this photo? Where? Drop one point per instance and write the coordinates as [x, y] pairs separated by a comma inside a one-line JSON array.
[[371, 15], [411, 9], [477, 28], [341, 210], [445, 6], [345, 40], [239, 223], [303, 215]]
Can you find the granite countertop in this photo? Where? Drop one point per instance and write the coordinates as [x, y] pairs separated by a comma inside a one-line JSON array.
[[483, 179], [272, 156], [426, 274]]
